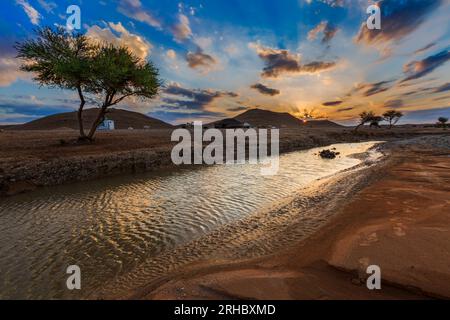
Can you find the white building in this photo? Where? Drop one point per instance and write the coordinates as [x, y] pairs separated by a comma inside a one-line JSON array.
[[106, 125]]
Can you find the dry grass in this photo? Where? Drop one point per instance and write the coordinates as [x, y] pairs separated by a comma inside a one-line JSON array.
[[41, 145]]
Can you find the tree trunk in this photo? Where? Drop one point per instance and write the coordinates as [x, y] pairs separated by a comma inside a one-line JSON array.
[[80, 115], [357, 127], [98, 120], [80, 120]]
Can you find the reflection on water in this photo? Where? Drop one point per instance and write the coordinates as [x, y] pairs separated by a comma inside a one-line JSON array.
[[108, 227]]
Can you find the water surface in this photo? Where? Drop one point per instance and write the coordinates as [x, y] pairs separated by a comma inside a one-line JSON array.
[[110, 226]]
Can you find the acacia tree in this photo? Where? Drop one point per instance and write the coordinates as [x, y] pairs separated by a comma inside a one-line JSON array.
[[392, 116], [365, 117], [120, 74], [60, 59], [63, 60], [375, 121], [443, 121]]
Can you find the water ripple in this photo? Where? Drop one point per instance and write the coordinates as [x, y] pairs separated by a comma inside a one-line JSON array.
[[111, 226]]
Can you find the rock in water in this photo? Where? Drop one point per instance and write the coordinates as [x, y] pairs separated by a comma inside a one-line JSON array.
[[328, 154]]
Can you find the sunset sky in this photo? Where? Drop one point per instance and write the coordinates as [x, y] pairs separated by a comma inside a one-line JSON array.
[[219, 58]]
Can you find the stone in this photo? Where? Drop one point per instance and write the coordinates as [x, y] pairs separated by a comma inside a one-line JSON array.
[[328, 154]]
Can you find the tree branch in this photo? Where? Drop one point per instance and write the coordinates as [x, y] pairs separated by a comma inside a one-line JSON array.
[[123, 97]]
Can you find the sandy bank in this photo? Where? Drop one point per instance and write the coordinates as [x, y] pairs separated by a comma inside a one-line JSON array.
[[398, 220]]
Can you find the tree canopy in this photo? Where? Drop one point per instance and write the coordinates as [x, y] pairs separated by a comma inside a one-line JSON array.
[[57, 58], [60, 59], [120, 74], [392, 116], [365, 117], [443, 121]]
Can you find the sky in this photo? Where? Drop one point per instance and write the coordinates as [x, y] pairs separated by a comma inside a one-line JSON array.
[[219, 58]]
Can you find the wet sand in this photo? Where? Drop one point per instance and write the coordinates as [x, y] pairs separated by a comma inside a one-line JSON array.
[[399, 220]]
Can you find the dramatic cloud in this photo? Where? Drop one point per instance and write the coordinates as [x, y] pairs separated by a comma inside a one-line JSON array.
[[418, 69], [426, 116], [273, 66], [332, 103], [265, 90], [446, 98], [376, 88], [237, 109], [189, 99], [422, 50], [9, 65], [11, 118], [279, 61], [47, 5], [14, 112], [133, 9], [399, 18], [182, 30], [345, 109], [370, 89], [9, 71], [316, 66], [138, 45], [412, 93], [31, 12], [328, 30], [393, 104], [331, 3], [171, 54], [180, 104], [200, 60], [443, 88], [183, 117]]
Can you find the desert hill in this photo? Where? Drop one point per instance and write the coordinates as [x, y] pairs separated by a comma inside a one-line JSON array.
[[266, 118], [123, 119], [225, 123], [322, 123]]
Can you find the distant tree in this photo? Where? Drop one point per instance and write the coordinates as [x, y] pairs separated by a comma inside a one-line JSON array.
[[375, 121], [60, 60], [443, 121], [365, 117], [392, 116], [307, 115], [120, 74]]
